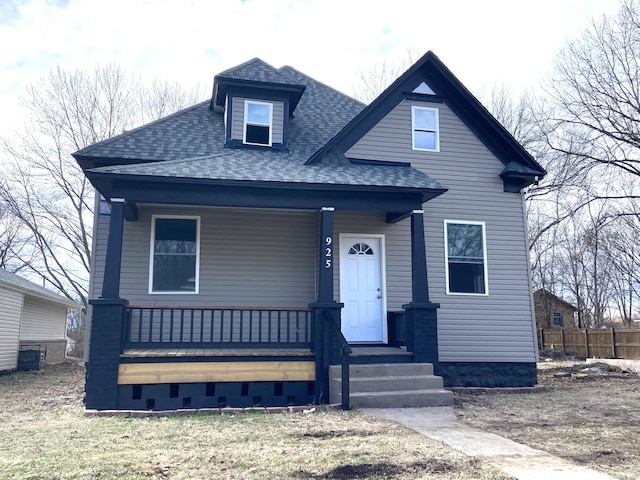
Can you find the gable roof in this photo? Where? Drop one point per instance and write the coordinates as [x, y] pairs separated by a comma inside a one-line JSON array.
[[542, 293], [448, 89], [190, 144], [16, 282]]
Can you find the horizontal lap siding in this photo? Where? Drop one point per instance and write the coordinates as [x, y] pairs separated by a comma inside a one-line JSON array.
[[237, 122], [10, 314], [42, 320], [247, 258], [493, 328]]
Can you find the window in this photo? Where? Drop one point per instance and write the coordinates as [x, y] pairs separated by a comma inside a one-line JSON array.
[[424, 122], [558, 321], [466, 262], [258, 117], [175, 250]]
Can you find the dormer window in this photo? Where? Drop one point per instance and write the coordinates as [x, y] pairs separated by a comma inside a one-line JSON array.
[[258, 123]]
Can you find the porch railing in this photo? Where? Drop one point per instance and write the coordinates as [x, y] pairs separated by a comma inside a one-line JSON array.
[[216, 327]]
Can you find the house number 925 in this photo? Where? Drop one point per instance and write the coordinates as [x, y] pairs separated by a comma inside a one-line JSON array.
[[328, 252]]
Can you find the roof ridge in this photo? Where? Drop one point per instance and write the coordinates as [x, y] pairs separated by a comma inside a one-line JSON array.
[[321, 83], [126, 133]]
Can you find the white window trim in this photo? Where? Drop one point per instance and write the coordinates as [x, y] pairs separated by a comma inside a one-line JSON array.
[[446, 257], [246, 122], [413, 129], [151, 253]]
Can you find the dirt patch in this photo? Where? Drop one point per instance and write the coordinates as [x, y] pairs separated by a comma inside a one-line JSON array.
[[588, 413]]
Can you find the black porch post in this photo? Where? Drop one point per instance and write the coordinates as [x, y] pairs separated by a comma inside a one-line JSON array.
[[421, 315], [325, 346], [106, 323], [111, 283]]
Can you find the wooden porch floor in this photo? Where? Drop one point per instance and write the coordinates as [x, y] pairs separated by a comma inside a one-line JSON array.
[[216, 352]]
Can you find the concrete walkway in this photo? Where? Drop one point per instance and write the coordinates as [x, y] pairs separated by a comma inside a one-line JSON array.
[[519, 461]]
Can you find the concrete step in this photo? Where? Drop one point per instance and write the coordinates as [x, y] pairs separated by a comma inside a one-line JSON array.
[[402, 399], [387, 369], [393, 385], [403, 382]]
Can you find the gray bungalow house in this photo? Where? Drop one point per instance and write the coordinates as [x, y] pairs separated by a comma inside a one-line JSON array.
[[252, 246]]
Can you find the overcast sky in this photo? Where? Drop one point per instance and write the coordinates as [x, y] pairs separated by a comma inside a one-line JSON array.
[[483, 43]]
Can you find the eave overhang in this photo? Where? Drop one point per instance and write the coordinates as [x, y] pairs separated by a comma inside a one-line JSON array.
[[222, 85], [137, 189]]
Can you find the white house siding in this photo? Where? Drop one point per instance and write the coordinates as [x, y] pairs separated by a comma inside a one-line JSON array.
[[237, 123], [247, 258], [44, 323], [493, 328], [10, 313]]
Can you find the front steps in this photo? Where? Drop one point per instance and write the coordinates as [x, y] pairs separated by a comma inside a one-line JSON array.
[[390, 385]]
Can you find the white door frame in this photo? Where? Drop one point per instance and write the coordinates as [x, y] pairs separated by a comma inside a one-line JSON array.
[[383, 274]]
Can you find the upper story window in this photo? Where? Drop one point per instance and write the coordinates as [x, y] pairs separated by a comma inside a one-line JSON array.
[[175, 251], [466, 261], [425, 134], [258, 123]]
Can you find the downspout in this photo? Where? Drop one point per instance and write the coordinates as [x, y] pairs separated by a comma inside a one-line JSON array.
[[536, 347]]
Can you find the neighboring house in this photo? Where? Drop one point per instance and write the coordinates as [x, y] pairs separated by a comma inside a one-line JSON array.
[[552, 311], [31, 318], [249, 235]]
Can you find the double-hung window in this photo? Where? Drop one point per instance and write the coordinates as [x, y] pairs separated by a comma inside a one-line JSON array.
[[466, 259], [424, 124], [175, 251], [258, 123]]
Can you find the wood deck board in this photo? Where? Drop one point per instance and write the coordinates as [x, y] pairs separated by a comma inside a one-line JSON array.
[[196, 372]]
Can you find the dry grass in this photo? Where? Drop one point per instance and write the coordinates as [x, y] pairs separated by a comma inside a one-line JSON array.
[[44, 435], [593, 420]]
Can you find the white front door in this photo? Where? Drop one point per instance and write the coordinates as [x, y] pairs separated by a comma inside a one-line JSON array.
[[362, 289]]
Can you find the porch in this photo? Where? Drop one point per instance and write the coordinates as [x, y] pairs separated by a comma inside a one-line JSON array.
[[168, 356], [234, 356]]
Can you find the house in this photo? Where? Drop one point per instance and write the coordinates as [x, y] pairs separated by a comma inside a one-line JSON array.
[[252, 244], [552, 311], [32, 321]]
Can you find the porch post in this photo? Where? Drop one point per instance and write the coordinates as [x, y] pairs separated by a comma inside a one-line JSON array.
[[107, 323], [421, 315], [113, 262], [325, 346]]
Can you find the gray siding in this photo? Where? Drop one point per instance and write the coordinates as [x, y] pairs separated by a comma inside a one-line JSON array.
[[493, 328], [247, 258], [237, 122], [10, 315], [42, 320]]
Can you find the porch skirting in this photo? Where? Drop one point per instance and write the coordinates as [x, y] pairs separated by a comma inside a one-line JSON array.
[[174, 396], [488, 374]]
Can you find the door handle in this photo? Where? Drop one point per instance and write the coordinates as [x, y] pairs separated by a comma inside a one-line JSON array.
[[379, 296]]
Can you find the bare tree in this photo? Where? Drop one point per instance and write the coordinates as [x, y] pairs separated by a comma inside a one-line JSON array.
[[373, 81], [44, 190]]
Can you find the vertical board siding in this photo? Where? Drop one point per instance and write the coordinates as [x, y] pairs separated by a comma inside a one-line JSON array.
[[247, 258], [237, 119], [43, 320], [497, 327], [10, 315]]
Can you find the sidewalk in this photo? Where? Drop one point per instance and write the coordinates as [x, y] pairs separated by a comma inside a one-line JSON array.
[[520, 461]]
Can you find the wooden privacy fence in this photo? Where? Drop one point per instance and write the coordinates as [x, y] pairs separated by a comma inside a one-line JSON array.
[[600, 343]]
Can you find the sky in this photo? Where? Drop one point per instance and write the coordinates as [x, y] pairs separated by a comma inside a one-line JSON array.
[[484, 43]]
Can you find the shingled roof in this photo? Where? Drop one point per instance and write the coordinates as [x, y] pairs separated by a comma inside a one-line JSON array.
[[190, 143], [16, 282]]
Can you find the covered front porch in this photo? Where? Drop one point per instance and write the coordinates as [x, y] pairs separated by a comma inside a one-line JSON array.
[[167, 355]]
